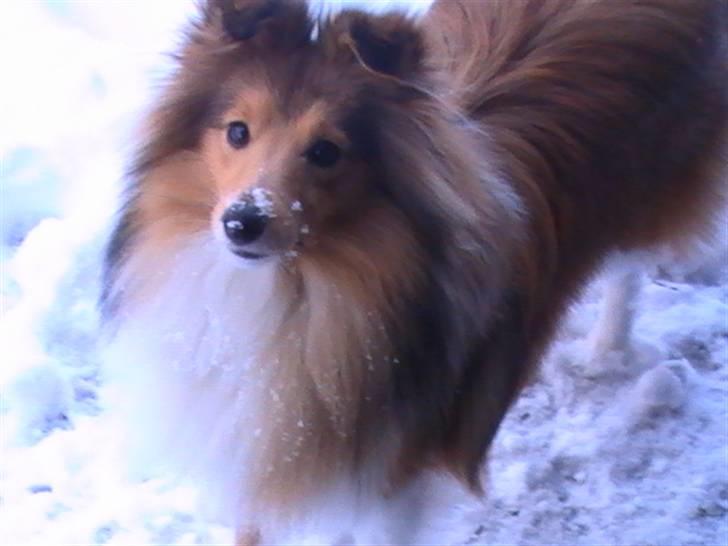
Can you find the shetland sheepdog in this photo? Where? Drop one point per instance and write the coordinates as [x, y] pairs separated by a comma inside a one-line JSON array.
[[347, 239]]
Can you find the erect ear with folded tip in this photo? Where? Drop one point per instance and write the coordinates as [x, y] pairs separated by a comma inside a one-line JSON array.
[[389, 44], [278, 22]]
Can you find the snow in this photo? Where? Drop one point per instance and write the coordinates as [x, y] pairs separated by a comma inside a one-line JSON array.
[[632, 455], [628, 449], [263, 199]]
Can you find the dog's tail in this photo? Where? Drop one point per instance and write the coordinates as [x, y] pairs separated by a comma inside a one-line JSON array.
[[595, 90], [491, 50]]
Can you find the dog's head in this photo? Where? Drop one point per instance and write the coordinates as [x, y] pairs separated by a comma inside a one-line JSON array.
[[305, 132]]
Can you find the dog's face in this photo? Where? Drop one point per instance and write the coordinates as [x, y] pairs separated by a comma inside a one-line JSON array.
[[285, 129], [284, 174]]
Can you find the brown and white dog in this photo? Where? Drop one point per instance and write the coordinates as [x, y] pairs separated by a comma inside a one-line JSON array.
[[347, 240]]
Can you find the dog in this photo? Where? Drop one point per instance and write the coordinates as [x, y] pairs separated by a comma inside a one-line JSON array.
[[347, 240]]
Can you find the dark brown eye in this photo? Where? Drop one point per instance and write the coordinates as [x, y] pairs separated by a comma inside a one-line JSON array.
[[323, 153], [238, 134]]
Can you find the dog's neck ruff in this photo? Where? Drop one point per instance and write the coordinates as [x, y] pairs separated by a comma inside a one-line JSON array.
[[221, 380]]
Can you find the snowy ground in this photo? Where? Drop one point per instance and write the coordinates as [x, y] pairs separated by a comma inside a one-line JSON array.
[[634, 455]]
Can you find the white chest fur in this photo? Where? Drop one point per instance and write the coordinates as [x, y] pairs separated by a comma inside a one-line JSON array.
[[184, 356], [199, 391]]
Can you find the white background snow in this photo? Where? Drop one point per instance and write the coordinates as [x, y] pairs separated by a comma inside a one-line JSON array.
[[634, 455]]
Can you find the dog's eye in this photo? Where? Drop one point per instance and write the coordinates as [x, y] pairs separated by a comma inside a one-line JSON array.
[[323, 153], [238, 134]]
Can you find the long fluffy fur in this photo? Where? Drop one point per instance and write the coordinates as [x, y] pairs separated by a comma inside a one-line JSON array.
[[504, 149]]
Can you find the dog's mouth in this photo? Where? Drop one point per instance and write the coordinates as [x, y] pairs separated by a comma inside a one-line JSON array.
[[247, 255]]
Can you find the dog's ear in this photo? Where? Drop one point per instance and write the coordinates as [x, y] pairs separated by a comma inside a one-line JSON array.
[[277, 22], [387, 44]]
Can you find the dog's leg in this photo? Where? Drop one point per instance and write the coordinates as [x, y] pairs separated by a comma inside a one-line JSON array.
[[610, 338], [248, 536]]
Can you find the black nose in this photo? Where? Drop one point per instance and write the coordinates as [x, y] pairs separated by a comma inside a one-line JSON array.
[[244, 222]]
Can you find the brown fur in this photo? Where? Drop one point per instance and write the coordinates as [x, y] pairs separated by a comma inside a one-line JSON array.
[[494, 154], [610, 118]]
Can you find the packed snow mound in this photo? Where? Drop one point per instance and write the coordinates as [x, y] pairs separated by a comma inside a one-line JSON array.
[[633, 454], [620, 447]]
